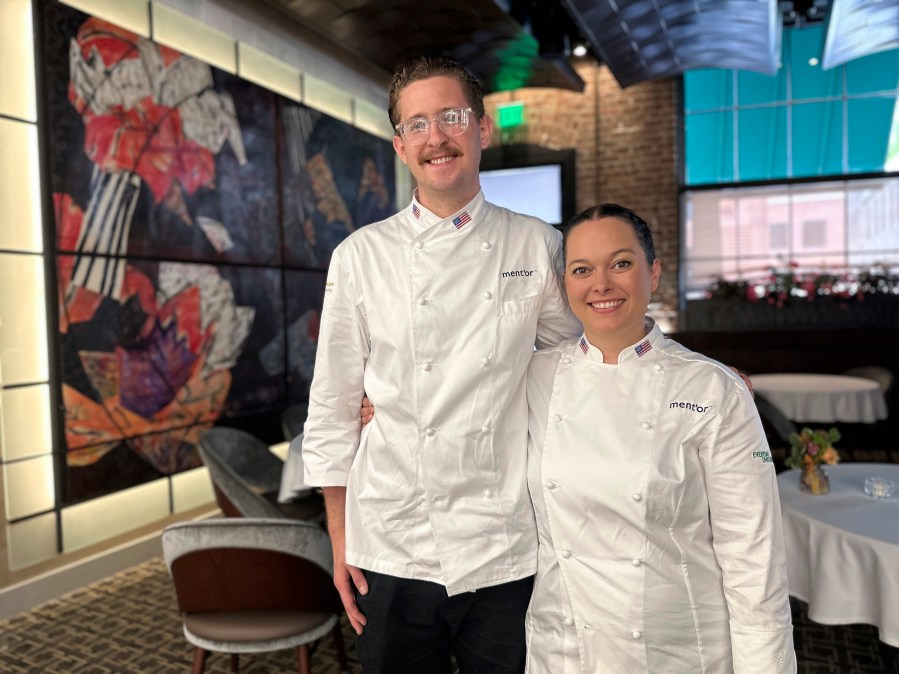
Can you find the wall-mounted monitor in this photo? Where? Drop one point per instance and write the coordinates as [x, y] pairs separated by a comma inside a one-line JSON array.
[[531, 179]]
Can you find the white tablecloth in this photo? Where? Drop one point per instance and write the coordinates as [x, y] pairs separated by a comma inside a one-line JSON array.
[[825, 398], [292, 485], [843, 548]]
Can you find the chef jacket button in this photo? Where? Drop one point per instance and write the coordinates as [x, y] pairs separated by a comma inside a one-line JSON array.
[[646, 425], [636, 562], [565, 554], [485, 362], [485, 245], [551, 485], [636, 635], [487, 295], [487, 493], [557, 418], [430, 432], [422, 301], [420, 245], [566, 360], [426, 366], [568, 621], [485, 429], [656, 367], [637, 496]]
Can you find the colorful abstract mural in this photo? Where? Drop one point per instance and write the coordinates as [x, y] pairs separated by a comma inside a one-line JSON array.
[[189, 274], [305, 292], [335, 178]]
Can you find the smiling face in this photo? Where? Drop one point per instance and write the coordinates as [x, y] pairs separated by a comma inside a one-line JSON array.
[[609, 282], [445, 168]]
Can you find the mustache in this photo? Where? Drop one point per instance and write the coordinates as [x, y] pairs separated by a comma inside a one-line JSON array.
[[442, 152]]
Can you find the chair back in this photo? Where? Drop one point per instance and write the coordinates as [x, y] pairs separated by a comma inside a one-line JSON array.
[[250, 564], [254, 585], [243, 471]]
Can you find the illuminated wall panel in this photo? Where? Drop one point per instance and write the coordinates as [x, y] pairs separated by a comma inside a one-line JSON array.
[[131, 14], [403, 181], [17, 96], [20, 208], [25, 422], [23, 323], [192, 489], [373, 119], [192, 37], [28, 487], [103, 518], [280, 450], [329, 99], [31, 541], [269, 72]]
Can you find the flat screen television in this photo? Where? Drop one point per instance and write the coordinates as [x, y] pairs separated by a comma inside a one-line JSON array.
[[532, 180]]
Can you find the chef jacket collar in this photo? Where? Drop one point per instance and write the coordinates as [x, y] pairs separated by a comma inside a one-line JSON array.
[[636, 351], [423, 219]]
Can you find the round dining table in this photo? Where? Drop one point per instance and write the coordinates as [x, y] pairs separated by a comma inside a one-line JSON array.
[[825, 398], [842, 548]]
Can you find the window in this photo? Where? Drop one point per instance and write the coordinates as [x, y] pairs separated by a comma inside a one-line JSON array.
[[814, 234], [777, 234], [803, 121], [777, 169], [737, 233]]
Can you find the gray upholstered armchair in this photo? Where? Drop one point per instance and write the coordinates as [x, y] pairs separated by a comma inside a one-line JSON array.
[[243, 472], [252, 585], [246, 477]]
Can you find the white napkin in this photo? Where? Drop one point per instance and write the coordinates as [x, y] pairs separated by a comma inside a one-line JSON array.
[[292, 485]]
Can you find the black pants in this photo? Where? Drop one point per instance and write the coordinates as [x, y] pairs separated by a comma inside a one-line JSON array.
[[413, 626]]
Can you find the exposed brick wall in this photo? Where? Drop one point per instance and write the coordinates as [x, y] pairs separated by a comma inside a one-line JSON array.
[[626, 143]]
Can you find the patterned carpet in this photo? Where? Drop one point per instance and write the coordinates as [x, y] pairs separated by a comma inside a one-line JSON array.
[[127, 624]]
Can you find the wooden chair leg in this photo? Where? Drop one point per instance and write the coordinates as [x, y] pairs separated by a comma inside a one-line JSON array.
[[304, 658], [235, 663], [199, 660], [337, 634]]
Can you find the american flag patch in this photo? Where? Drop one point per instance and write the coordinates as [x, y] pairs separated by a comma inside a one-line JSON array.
[[643, 347], [583, 345], [461, 220], [416, 211]]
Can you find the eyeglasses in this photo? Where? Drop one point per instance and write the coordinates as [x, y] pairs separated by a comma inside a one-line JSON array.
[[452, 122]]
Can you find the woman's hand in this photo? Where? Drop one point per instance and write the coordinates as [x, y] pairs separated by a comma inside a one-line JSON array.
[[367, 411]]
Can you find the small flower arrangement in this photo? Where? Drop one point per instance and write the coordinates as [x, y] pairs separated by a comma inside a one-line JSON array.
[[813, 447]]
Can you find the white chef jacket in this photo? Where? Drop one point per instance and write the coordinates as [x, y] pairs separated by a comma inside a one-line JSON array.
[[661, 546], [436, 320]]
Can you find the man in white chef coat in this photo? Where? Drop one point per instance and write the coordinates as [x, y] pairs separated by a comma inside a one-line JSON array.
[[434, 313]]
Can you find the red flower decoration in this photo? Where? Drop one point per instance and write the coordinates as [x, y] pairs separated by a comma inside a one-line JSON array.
[[148, 140]]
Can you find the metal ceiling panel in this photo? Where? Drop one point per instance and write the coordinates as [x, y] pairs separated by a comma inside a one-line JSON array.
[[649, 39], [857, 28], [477, 33]]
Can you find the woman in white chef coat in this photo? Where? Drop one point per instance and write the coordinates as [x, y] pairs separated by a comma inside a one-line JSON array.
[[659, 524]]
